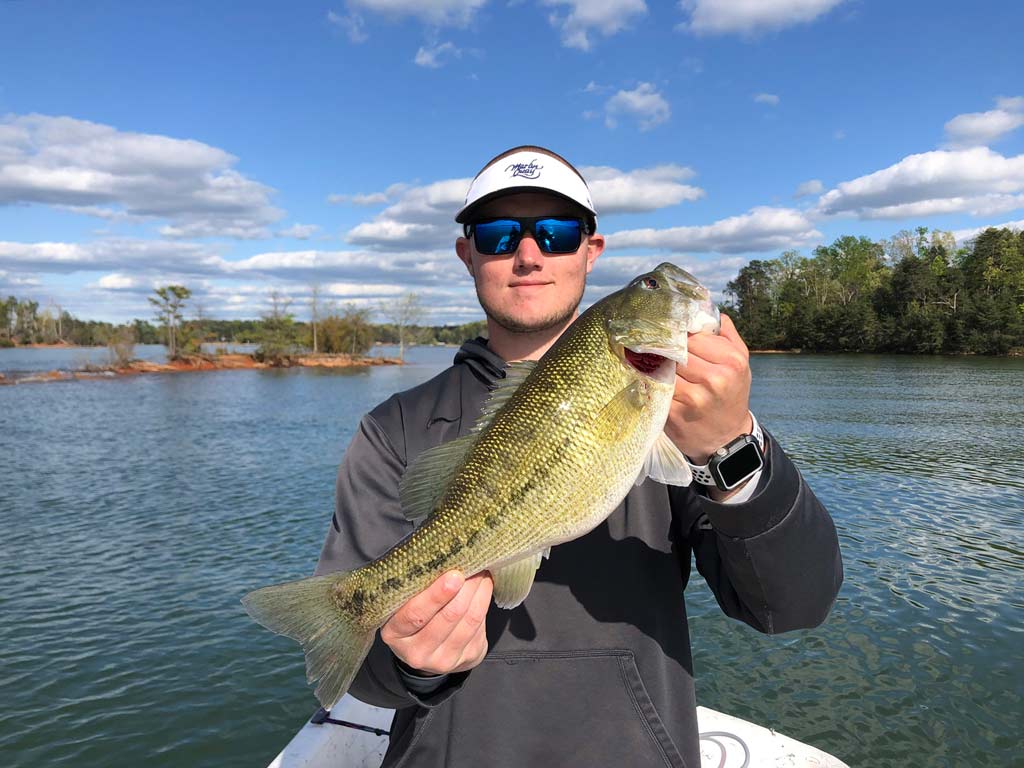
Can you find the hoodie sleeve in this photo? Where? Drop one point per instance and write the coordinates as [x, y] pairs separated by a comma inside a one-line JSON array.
[[772, 561], [367, 522]]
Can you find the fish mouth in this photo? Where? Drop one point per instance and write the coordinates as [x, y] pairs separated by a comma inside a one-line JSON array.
[[645, 362]]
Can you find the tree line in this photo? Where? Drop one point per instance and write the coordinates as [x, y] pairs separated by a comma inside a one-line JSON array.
[[916, 292]]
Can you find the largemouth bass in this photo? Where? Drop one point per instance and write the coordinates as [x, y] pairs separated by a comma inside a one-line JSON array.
[[556, 449]]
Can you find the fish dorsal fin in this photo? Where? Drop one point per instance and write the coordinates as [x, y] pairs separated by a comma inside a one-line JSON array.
[[666, 464], [515, 374], [426, 479], [513, 581]]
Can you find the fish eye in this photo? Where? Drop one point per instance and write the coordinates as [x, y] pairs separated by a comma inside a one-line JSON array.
[[650, 282]]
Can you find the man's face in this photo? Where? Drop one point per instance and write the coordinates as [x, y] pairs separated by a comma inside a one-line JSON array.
[[528, 290]]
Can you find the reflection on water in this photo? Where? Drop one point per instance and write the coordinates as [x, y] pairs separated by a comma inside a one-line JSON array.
[[136, 513]]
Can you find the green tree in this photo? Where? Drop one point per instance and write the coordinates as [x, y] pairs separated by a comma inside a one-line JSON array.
[[8, 318], [277, 334], [349, 332], [753, 294], [170, 303]]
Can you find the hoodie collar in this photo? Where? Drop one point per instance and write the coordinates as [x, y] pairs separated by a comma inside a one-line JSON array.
[[477, 356]]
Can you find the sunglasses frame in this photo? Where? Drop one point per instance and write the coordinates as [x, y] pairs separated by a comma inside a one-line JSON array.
[[527, 225]]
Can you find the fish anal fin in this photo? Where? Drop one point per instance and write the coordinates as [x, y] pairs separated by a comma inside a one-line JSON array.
[[513, 581]]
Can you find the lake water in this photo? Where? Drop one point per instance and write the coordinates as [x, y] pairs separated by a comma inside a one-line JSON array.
[[136, 512]]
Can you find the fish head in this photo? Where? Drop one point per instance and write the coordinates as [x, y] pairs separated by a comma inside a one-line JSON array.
[[649, 319]]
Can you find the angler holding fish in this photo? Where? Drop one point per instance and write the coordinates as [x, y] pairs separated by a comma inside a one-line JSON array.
[[570, 470]]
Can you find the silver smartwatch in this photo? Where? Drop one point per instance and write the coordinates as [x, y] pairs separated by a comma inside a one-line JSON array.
[[734, 463]]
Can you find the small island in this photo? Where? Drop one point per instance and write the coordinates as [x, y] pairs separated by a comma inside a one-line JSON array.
[[332, 338]]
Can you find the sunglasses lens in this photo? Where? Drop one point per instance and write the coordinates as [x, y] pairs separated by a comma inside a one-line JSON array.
[[498, 236], [557, 235]]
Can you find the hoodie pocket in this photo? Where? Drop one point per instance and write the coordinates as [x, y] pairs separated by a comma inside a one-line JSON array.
[[567, 709]]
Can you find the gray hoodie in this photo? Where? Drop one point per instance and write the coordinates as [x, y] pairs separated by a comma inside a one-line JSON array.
[[594, 668]]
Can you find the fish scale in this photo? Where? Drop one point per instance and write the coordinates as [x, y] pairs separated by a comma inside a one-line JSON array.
[[547, 466]]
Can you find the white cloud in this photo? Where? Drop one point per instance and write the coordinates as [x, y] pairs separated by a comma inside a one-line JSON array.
[[839, 134], [431, 57], [97, 170], [962, 235], [371, 198], [593, 87], [117, 282], [351, 23], [983, 128], [942, 181], [421, 216], [643, 103], [980, 205], [299, 231], [644, 189], [767, 98], [586, 17], [113, 254], [136, 264], [438, 13], [718, 17], [810, 187], [760, 229]]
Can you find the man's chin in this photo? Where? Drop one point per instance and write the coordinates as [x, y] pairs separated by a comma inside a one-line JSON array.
[[520, 324]]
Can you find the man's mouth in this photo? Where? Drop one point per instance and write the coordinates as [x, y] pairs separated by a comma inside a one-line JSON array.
[[645, 362]]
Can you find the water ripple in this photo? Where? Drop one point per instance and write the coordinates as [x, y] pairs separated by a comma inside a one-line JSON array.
[[137, 512]]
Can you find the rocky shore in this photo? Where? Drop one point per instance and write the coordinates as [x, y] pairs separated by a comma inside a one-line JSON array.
[[193, 364]]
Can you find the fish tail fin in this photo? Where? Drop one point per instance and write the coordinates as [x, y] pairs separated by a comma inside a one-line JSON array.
[[306, 611]]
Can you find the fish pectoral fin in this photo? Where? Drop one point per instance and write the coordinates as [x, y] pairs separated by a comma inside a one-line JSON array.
[[666, 464], [513, 581], [618, 416], [426, 479]]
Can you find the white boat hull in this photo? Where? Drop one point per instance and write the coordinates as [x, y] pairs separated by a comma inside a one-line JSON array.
[[725, 742]]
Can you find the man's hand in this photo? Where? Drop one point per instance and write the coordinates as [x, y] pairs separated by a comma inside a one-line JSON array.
[[711, 404], [442, 629]]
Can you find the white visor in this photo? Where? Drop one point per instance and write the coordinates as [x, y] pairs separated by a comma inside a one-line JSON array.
[[526, 171]]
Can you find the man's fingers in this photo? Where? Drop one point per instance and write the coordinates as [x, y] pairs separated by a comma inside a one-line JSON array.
[[455, 632], [727, 348], [419, 610], [468, 641]]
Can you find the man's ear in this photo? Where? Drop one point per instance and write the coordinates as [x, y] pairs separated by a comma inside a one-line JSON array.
[[465, 254], [595, 247]]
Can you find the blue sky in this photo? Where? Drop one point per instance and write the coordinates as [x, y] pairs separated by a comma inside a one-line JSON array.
[[244, 148]]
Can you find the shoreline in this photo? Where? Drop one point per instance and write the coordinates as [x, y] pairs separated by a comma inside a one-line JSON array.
[[227, 362]]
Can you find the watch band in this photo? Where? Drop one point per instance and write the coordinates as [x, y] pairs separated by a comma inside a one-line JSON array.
[[701, 473]]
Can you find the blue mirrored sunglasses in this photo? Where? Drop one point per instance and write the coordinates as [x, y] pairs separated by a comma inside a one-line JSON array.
[[554, 234]]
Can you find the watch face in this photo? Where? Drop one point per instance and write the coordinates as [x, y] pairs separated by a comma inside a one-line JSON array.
[[739, 466]]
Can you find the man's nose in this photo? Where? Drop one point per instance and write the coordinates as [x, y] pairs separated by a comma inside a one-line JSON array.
[[528, 254]]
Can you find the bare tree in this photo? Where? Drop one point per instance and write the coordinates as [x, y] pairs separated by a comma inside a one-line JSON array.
[[314, 312], [121, 346], [404, 312]]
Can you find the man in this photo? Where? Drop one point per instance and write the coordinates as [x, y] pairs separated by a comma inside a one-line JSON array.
[[594, 667]]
